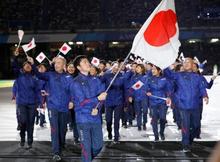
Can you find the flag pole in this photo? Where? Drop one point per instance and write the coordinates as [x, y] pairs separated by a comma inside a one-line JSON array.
[[19, 43], [58, 54], [26, 54], [48, 59], [113, 79], [162, 98]]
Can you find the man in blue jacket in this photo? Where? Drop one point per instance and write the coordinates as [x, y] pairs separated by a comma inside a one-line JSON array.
[[58, 103], [87, 92], [114, 101], [189, 89], [26, 100]]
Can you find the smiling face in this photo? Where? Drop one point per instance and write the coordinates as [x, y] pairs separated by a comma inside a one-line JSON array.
[[60, 64], [71, 69], [156, 71], [115, 68], [93, 71]]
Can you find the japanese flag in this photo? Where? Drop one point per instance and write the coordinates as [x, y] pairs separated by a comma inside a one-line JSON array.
[[20, 34], [40, 57], [137, 85], [158, 39], [65, 49], [29, 46], [95, 61]]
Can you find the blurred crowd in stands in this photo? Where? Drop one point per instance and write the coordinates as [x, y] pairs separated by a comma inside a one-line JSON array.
[[98, 14]]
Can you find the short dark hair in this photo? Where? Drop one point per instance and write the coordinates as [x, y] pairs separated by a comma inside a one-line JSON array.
[[26, 62], [142, 68], [103, 62], [78, 59]]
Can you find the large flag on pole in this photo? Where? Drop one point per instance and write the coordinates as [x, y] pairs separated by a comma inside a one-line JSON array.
[[158, 39], [29, 46]]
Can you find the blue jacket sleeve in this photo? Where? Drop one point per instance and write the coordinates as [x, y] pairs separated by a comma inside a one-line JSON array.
[[43, 76], [207, 84], [79, 98], [170, 74], [14, 90]]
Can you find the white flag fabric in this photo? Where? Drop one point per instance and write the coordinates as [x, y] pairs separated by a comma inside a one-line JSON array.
[[139, 61], [65, 49], [40, 57], [158, 39], [20, 34], [137, 85], [181, 57], [29, 46], [95, 61], [215, 70]]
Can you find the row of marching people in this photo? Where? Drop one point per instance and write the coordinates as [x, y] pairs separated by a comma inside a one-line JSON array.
[[78, 89]]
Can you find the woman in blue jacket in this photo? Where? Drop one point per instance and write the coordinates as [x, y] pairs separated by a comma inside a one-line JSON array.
[[139, 97], [158, 86]]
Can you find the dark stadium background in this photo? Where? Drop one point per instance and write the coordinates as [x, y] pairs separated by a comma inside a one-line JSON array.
[[102, 28]]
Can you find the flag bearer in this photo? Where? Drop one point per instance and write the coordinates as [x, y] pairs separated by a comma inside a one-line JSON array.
[[87, 92]]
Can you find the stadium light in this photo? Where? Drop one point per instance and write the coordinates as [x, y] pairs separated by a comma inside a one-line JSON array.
[[214, 40], [70, 43], [192, 41], [79, 43], [115, 43]]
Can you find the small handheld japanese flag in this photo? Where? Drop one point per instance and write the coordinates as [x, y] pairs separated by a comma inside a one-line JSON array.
[[95, 61], [20, 34], [65, 49], [29, 46], [40, 57], [137, 85]]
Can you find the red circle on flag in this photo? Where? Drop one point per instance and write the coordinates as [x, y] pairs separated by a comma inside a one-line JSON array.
[[41, 57], [29, 45], [95, 61], [137, 85], [64, 48], [161, 28]]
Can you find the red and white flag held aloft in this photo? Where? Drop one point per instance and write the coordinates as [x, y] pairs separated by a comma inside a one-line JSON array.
[[137, 85], [40, 57], [29, 46], [65, 49], [158, 39], [95, 61]]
